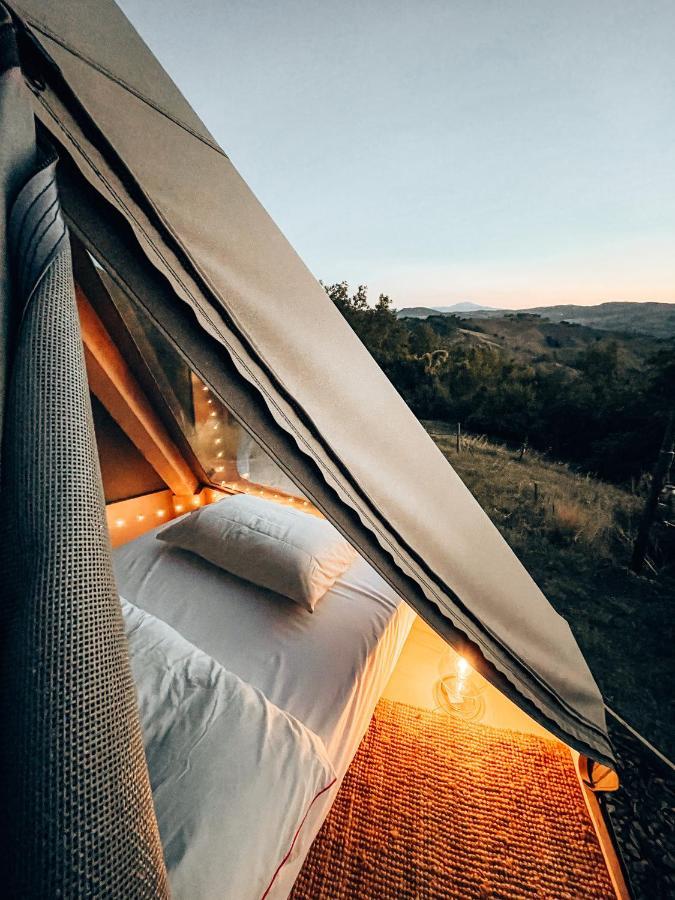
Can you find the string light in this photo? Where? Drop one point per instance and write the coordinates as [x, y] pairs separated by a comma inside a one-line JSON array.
[[119, 522], [140, 517], [218, 441], [220, 468], [161, 513], [179, 507]]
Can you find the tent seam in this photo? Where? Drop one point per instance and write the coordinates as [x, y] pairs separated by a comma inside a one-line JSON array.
[[39, 26]]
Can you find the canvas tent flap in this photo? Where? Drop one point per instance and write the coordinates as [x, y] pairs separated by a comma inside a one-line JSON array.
[[199, 224]]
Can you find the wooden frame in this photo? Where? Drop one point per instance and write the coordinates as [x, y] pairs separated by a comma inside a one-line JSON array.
[[113, 383]]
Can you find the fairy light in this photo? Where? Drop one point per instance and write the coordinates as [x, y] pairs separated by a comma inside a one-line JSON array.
[[179, 507], [220, 468], [119, 522], [204, 388], [140, 517], [161, 513], [218, 441], [219, 454]]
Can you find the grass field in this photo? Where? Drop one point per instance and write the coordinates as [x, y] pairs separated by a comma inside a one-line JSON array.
[[574, 535]]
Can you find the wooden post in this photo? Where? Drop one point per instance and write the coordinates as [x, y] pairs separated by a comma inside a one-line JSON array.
[[661, 470], [536, 492], [459, 437]]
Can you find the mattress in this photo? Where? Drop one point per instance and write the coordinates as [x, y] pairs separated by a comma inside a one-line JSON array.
[[310, 664], [327, 668]]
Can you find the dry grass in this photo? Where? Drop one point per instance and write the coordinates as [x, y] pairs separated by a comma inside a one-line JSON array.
[[574, 533]]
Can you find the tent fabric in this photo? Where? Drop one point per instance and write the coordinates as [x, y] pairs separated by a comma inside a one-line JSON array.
[[76, 811], [134, 141]]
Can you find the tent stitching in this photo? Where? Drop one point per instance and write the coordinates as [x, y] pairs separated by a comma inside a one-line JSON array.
[[39, 26]]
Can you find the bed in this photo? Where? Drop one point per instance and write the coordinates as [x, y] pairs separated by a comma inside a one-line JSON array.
[[327, 669]]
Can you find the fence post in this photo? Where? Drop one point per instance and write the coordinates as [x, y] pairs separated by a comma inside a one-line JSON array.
[[661, 470], [459, 437]]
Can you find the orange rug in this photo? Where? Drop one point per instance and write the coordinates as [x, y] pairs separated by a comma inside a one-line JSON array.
[[435, 808]]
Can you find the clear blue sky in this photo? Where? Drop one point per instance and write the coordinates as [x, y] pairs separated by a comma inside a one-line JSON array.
[[509, 152]]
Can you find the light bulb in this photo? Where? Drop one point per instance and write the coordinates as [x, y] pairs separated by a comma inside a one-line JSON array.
[[119, 522], [161, 513], [140, 518]]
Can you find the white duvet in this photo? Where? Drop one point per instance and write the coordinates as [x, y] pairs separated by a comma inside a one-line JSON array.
[[233, 776]]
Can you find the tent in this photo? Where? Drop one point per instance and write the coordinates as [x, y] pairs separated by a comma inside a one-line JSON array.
[[148, 193]]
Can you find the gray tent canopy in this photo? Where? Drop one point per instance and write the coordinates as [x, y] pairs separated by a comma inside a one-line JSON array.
[[150, 193]]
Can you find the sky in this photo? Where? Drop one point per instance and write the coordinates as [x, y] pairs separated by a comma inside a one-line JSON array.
[[507, 152]]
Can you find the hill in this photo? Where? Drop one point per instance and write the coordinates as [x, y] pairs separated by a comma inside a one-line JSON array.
[[649, 318], [421, 312], [596, 398], [533, 340], [574, 535]]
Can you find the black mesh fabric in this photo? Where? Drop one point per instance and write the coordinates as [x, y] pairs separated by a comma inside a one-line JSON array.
[[75, 805]]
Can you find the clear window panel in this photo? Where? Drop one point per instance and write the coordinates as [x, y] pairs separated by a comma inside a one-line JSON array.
[[229, 456]]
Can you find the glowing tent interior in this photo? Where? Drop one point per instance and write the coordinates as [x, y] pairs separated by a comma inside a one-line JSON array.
[[219, 369]]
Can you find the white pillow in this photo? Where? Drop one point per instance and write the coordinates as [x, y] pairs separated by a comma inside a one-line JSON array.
[[274, 546], [232, 775]]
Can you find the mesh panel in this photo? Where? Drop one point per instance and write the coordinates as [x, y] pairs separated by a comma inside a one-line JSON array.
[[77, 810]]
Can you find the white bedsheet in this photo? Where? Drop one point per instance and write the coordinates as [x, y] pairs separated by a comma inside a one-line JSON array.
[[327, 668], [232, 775], [310, 664]]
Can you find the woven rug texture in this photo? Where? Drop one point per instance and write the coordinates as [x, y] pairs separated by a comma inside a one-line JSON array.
[[432, 807]]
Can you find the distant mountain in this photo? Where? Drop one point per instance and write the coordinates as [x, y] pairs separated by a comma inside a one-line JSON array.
[[648, 317], [421, 312]]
